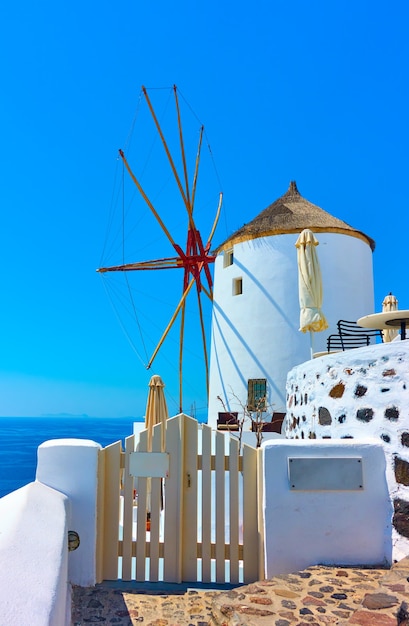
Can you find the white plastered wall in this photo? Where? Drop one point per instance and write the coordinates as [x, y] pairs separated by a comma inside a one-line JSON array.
[[34, 588], [330, 527], [71, 466], [256, 334]]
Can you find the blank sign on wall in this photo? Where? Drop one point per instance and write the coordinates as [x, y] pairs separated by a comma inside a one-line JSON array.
[[325, 474]]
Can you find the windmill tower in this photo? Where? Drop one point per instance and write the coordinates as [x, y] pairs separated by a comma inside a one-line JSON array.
[[255, 325]]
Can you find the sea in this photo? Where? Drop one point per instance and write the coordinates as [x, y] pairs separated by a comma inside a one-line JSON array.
[[21, 436]]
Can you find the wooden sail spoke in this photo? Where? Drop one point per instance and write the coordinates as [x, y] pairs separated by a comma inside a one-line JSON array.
[[216, 220], [203, 332], [181, 343], [145, 197], [165, 145], [182, 148], [196, 168], [171, 322], [156, 264], [209, 294]]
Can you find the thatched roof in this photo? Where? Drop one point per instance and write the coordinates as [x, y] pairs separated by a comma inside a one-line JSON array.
[[291, 214]]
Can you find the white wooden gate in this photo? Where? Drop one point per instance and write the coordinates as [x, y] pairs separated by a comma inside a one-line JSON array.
[[205, 524]]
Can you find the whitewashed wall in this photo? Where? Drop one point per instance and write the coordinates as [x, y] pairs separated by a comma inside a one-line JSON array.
[[325, 526], [71, 467], [255, 335], [357, 394], [34, 587]]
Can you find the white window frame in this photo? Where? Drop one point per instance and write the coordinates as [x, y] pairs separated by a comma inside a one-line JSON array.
[[228, 257], [237, 286]]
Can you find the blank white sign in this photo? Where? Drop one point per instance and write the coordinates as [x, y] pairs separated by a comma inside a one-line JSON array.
[[325, 474], [149, 464]]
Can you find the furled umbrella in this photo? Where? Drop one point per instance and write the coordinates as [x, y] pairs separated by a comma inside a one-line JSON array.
[[156, 410], [389, 303], [312, 318], [156, 413]]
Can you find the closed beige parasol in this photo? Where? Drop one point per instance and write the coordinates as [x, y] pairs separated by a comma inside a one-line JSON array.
[[156, 413], [389, 303], [156, 410], [312, 318]]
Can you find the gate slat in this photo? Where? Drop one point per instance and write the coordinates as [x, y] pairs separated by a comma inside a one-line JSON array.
[[206, 503], [234, 517], [155, 511], [141, 516], [173, 502], [128, 512], [112, 461], [190, 485], [220, 508], [250, 510], [100, 516]]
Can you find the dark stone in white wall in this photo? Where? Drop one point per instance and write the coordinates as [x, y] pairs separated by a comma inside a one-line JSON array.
[[364, 415], [401, 517]]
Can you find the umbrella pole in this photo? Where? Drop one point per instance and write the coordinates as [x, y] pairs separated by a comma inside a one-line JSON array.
[[312, 343]]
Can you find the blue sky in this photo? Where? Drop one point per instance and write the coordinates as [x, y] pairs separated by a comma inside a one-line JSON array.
[[315, 92]]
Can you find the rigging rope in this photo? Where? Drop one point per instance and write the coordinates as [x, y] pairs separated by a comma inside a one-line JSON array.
[[136, 317], [110, 218], [123, 260], [131, 343], [136, 115], [211, 159], [206, 136]]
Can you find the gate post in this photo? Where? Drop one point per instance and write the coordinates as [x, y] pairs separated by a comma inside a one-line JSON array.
[[250, 515], [109, 485]]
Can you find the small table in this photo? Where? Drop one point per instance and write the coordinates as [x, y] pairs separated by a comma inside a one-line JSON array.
[[383, 321]]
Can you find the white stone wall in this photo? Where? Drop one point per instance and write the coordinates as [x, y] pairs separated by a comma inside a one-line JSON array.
[[356, 394], [255, 334]]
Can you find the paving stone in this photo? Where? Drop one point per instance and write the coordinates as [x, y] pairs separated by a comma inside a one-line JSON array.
[[250, 610], [367, 618], [379, 601], [309, 600], [340, 613], [286, 614], [256, 600], [288, 604], [285, 593], [305, 611], [396, 587]]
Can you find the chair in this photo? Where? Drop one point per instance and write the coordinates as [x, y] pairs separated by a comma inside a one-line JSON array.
[[269, 427], [228, 421], [350, 335]]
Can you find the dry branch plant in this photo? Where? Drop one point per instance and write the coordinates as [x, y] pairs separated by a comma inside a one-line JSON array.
[[255, 416]]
